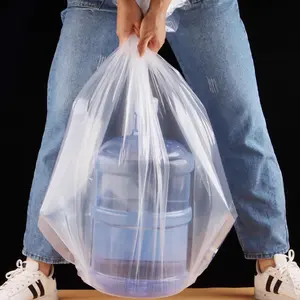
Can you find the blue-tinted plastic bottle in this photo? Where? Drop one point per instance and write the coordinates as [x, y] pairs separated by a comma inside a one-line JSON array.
[[128, 262]]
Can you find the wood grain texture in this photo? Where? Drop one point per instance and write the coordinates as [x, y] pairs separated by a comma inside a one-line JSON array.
[[188, 294]]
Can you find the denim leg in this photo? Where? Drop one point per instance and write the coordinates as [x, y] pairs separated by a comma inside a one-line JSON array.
[[87, 38], [212, 48]]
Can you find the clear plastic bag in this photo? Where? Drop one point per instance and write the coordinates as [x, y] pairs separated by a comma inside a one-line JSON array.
[[172, 18], [138, 199]]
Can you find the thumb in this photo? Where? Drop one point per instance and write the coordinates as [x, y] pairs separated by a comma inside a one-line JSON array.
[[137, 28], [143, 44]]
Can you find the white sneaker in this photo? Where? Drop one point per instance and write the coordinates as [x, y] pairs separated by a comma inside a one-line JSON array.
[[28, 283], [281, 282]]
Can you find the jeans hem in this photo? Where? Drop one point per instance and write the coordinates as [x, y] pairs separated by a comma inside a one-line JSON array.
[[47, 260], [266, 255]]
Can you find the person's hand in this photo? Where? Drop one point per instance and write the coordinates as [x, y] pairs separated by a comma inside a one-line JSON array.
[[129, 17], [152, 30]]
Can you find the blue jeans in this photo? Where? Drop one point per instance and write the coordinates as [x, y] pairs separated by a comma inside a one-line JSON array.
[[213, 51]]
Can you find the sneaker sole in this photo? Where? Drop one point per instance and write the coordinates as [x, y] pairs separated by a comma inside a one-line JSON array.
[[270, 296]]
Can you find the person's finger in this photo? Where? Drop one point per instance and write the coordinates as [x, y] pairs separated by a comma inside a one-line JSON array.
[[154, 45], [143, 45], [136, 28]]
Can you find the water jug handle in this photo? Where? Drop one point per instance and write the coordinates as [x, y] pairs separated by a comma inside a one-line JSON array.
[[135, 129]]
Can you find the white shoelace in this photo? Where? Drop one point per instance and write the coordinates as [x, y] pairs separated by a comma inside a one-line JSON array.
[[291, 269], [18, 278]]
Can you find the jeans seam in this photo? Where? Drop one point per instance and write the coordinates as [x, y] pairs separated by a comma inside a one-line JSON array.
[[239, 233]]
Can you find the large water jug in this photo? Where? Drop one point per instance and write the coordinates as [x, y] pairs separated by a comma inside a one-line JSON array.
[[119, 267]]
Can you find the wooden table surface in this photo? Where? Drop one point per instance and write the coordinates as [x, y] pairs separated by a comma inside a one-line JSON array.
[[188, 294]]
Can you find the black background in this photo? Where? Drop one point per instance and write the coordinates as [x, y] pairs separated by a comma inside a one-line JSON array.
[[29, 33]]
